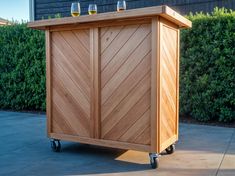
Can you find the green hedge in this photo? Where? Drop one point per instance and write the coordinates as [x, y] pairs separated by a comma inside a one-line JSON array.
[[207, 75], [207, 69], [22, 68]]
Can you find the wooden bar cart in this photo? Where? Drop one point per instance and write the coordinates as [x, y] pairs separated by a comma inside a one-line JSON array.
[[113, 79]]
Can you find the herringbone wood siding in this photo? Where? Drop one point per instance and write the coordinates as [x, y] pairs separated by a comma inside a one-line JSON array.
[[168, 82], [125, 83], [114, 85], [71, 82]]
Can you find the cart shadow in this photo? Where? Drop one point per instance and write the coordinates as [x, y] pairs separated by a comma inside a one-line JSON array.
[[102, 160]]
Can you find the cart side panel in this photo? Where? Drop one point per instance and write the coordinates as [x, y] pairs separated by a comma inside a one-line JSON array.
[[168, 121], [70, 81], [125, 83]]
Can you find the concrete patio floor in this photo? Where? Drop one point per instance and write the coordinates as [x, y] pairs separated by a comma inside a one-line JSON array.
[[25, 150]]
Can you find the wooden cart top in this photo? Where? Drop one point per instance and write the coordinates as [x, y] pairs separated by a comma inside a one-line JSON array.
[[163, 11]]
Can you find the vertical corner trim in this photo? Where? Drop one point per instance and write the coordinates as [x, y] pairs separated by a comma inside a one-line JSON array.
[[48, 83], [155, 87], [95, 83]]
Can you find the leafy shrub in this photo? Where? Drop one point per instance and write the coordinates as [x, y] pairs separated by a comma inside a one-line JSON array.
[[22, 68], [207, 75]]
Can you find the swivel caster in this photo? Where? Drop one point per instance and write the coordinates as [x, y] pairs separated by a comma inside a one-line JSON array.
[[154, 161], [170, 149], [55, 145]]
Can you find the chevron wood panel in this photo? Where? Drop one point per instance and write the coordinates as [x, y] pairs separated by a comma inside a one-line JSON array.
[[168, 81], [125, 83], [113, 79], [71, 83]]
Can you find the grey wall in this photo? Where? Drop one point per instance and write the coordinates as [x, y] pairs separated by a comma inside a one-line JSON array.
[[45, 8]]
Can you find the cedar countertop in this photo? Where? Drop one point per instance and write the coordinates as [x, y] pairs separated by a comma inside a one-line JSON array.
[[163, 11]]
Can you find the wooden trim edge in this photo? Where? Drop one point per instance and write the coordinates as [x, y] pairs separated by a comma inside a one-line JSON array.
[[175, 17], [48, 82], [95, 83], [168, 142], [164, 11], [101, 142], [155, 85], [177, 84]]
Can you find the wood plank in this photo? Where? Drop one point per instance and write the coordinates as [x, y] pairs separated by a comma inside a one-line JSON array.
[[113, 86], [168, 81], [71, 69], [168, 124], [60, 124], [70, 54], [169, 93], [177, 84], [144, 138], [123, 73], [102, 142], [56, 128], [102, 24], [71, 87], [138, 42], [155, 85], [125, 105], [168, 142], [117, 44], [95, 93], [75, 43], [103, 31], [71, 97], [48, 82], [70, 110], [169, 63], [133, 13], [125, 87], [84, 38], [130, 118], [109, 35], [136, 128], [175, 17]]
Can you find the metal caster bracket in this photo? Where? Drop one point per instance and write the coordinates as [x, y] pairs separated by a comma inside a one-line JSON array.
[[154, 161], [170, 149], [55, 145]]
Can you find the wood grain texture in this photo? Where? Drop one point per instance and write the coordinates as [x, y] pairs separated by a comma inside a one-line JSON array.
[[101, 24], [115, 85], [177, 85], [125, 83], [95, 92], [102, 142], [71, 82], [168, 82], [48, 81], [155, 84], [134, 13]]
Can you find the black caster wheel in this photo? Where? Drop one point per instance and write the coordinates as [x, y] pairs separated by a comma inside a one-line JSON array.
[[170, 149], [55, 145], [154, 161]]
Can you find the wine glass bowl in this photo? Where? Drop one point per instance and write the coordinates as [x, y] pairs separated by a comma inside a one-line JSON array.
[[92, 9], [75, 9], [121, 6]]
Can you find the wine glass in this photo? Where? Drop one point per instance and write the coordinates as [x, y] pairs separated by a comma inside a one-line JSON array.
[[92, 9], [75, 9], [121, 6]]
